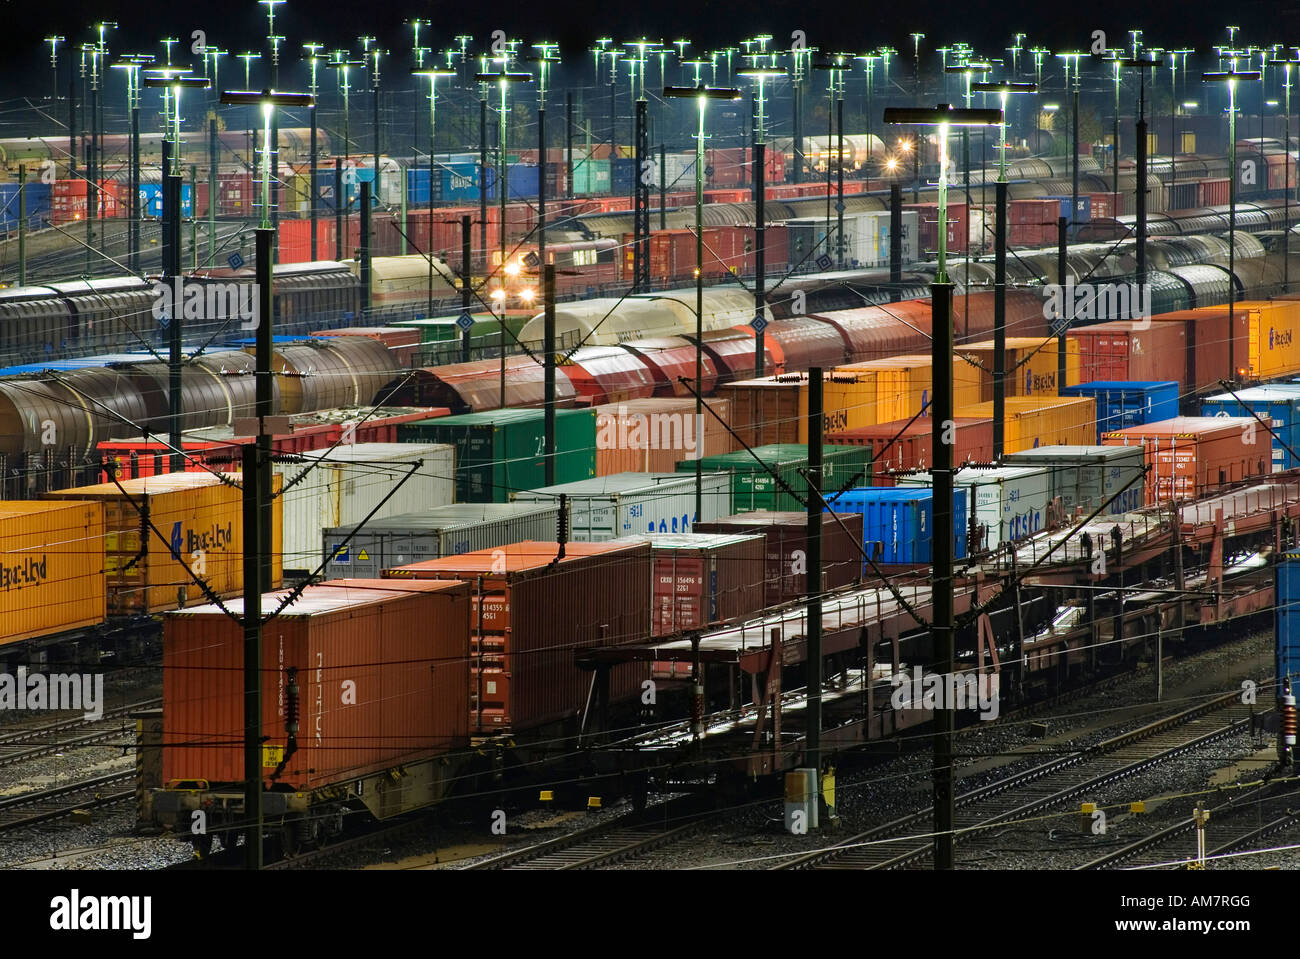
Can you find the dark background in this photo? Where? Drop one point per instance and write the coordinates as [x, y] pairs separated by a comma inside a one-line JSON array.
[[851, 26]]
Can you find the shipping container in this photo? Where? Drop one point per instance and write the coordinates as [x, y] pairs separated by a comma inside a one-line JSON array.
[[786, 534], [1121, 351], [1274, 337], [532, 611], [1082, 212], [654, 435], [906, 445], [700, 579], [38, 199], [1090, 477], [767, 410], [1188, 456], [902, 387], [1212, 353], [1277, 405], [754, 474], [431, 534], [51, 567], [625, 504], [1006, 503], [401, 652], [1030, 365], [1121, 405], [502, 451], [1287, 583], [928, 229], [342, 485], [161, 532], [1041, 421], [898, 524], [866, 239]]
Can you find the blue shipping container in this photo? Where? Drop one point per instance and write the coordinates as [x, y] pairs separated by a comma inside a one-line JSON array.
[[898, 522], [38, 205], [1121, 404], [1279, 404], [1288, 617], [417, 185], [353, 177], [622, 175], [151, 202], [1083, 213]]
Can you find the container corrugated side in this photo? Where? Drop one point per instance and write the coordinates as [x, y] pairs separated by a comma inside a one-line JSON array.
[[702, 579], [1274, 336], [654, 435], [404, 650], [1191, 455], [342, 486], [764, 411], [1279, 406], [194, 527], [1042, 421], [629, 503], [904, 384], [1008, 503], [530, 615], [51, 567], [443, 531], [1090, 476], [1030, 365], [755, 483], [787, 541]]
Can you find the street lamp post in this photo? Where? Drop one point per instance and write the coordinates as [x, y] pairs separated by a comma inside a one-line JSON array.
[[1003, 90], [942, 630], [702, 95], [759, 323], [504, 78], [1230, 77], [257, 510]]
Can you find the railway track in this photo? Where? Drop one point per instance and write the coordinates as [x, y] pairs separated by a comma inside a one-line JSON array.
[[56, 802], [905, 841], [609, 842], [1251, 816], [18, 746]]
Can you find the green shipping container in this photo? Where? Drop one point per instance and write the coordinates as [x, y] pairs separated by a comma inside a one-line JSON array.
[[500, 452], [440, 329], [590, 176], [753, 487]]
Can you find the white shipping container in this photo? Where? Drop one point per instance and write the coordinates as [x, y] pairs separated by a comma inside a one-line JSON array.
[[348, 482], [680, 172], [433, 533], [1010, 502], [624, 504], [1087, 476]]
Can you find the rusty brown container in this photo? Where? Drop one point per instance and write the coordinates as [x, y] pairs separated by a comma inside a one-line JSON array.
[[653, 435], [705, 578], [382, 671], [161, 532], [766, 410], [536, 615], [787, 550]]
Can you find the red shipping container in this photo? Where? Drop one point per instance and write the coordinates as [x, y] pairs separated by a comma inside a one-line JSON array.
[[909, 445], [1033, 212], [597, 596], [731, 166], [1122, 351], [787, 540], [1189, 456], [400, 651], [701, 579], [1106, 205], [294, 238], [1209, 358], [927, 217], [235, 194], [1214, 192]]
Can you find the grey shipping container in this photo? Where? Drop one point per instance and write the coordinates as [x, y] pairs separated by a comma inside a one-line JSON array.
[[1088, 476], [624, 504], [432, 534]]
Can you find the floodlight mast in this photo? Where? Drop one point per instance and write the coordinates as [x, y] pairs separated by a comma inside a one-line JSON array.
[[942, 629]]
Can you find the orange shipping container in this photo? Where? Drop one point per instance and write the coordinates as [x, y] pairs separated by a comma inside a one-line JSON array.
[[382, 672], [1042, 421], [51, 567], [537, 614], [654, 435], [765, 410], [1188, 456], [1274, 337], [163, 531]]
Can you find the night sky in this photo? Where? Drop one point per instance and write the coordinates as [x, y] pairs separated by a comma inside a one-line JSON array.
[[241, 24]]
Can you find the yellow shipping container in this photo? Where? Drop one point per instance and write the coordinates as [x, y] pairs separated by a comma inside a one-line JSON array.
[[1274, 336], [1031, 365], [166, 526], [51, 567], [904, 384], [1042, 421]]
